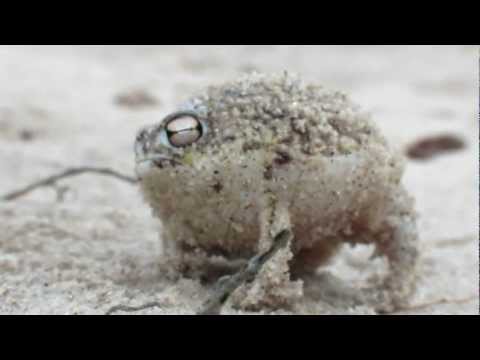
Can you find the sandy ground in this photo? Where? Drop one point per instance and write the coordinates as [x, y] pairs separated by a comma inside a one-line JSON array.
[[89, 242]]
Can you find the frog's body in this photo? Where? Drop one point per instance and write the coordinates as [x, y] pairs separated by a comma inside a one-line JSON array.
[[278, 154]]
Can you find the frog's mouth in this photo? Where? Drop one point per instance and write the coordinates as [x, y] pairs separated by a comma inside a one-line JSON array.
[[159, 161]]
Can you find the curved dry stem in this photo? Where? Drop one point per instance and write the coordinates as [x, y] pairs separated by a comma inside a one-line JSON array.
[[437, 302], [65, 174], [132, 308]]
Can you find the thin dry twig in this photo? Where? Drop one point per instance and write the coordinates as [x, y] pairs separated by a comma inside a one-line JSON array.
[[228, 284], [455, 241], [437, 302], [64, 174], [133, 308]]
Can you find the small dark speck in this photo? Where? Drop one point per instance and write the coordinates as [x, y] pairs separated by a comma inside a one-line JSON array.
[[26, 135], [250, 145], [217, 187], [282, 158], [229, 138], [268, 173], [287, 140], [429, 147], [136, 99]]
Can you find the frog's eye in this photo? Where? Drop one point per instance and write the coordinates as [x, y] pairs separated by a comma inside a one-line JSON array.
[[183, 130]]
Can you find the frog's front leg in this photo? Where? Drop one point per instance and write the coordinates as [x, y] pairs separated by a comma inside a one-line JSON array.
[[180, 258], [272, 287], [191, 261]]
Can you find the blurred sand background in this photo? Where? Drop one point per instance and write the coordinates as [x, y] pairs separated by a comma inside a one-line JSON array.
[[89, 242]]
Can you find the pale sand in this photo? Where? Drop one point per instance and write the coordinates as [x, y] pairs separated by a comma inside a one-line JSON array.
[[97, 246]]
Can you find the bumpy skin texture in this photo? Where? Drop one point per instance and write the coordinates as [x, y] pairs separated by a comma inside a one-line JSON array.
[[278, 154]]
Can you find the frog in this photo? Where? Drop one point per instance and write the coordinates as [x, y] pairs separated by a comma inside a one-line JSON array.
[[241, 161]]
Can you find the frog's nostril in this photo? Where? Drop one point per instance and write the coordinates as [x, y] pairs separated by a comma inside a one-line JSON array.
[[141, 135], [158, 163]]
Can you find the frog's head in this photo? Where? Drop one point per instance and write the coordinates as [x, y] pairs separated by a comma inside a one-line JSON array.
[[170, 143], [194, 157]]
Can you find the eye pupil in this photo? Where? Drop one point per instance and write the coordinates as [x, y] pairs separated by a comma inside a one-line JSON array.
[[183, 131]]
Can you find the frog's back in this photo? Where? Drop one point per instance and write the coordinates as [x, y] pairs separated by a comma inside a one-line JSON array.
[[279, 109]]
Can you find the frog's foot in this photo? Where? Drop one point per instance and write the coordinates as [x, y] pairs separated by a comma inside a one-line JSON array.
[[198, 264], [399, 246], [334, 291]]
